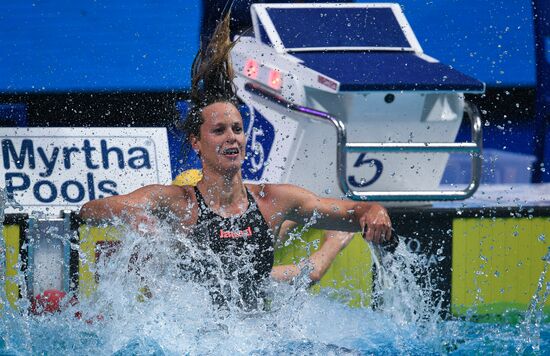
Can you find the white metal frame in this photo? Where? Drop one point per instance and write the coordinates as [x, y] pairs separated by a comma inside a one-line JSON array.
[[474, 148]]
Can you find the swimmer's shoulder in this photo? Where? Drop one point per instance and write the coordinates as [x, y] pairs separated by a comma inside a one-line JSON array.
[[171, 202], [166, 194], [177, 192], [275, 201], [176, 200], [181, 186], [265, 191], [282, 196]]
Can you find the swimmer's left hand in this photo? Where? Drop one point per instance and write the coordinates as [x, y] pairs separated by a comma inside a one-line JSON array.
[[376, 224]]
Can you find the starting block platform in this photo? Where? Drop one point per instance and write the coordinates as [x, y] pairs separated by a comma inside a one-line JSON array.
[[350, 95]]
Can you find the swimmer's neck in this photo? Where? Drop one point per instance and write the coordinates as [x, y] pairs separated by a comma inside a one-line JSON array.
[[224, 191]]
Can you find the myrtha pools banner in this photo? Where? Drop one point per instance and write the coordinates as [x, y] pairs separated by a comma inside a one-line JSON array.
[[49, 169]]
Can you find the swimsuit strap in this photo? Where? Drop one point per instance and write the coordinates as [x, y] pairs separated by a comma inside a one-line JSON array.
[[203, 208]]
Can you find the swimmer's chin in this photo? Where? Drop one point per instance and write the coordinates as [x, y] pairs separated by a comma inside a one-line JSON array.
[[231, 169]]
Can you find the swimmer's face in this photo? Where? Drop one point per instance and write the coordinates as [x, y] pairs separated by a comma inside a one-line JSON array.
[[222, 141]]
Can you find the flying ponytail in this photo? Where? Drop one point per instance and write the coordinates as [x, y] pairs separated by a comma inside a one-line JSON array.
[[211, 77]]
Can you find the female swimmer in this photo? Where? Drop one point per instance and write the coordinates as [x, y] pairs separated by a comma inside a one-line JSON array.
[[235, 222]]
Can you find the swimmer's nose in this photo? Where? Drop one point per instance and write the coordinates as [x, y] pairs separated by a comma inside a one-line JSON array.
[[231, 137]]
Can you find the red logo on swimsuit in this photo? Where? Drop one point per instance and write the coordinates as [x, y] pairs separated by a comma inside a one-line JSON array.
[[235, 234]]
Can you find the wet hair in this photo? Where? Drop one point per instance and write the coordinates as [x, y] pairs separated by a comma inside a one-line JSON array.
[[212, 78]]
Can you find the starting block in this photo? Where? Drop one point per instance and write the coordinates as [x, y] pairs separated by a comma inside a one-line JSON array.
[[344, 102]]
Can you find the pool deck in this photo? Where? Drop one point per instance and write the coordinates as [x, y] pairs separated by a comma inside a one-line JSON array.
[[504, 195]]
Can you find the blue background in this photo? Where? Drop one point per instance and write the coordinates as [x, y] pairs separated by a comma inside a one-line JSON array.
[[61, 46], [97, 45]]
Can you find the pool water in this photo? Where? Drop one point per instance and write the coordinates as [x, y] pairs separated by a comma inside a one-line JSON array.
[[179, 318]]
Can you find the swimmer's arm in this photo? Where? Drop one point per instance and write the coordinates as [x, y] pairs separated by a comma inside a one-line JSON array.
[[130, 208], [333, 214], [320, 261], [287, 227]]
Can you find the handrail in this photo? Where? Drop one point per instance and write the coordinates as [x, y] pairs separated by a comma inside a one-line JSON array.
[[343, 147]]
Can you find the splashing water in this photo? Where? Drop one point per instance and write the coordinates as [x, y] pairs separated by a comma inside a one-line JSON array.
[[531, 325], [152, 310], [399, 294], [3, 199]]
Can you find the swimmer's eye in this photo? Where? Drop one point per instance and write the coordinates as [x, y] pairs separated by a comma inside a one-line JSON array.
[[237, 129]]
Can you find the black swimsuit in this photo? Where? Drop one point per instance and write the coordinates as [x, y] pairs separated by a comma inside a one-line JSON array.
[[236, 254]]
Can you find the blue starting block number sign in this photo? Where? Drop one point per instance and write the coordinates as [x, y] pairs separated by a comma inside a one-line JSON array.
[[334, 27], [258, 147]]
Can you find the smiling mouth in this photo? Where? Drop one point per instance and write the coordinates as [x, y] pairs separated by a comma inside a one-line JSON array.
[[230, 151]]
